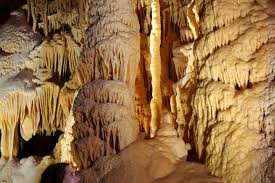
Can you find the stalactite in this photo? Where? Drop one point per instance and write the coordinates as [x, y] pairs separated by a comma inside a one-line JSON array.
[[33, 16], [213, 40], [52, 15], [184, 17], [54, 24], [218, 17], [192, 19], [179, 15], [155, 68], [36, 111], [172, 14], [28, 10], [108, 54], [180, 62], [45, 17], [237, 72], [30, 102], [60, 55], [230, 125], [82, 5]]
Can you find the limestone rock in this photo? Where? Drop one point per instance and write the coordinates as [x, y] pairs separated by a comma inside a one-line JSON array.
[[16, 35], [105, 121], [233, 105]]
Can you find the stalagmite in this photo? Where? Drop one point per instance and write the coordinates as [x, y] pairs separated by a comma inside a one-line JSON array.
[[157, 159], [155, 68], [63, 150], [184, 60]]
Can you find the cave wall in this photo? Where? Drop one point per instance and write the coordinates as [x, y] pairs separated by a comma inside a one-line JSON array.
[[232, 124], [36, 89], [83, 67]]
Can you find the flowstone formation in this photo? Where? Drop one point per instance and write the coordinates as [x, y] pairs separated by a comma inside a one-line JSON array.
[[133, 90], [103, 109], [144, 160], [233, 120], [105, 121], [19, 171]]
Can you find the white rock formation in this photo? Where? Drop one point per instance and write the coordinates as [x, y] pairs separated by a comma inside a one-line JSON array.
[[232, 124], [214, 89]]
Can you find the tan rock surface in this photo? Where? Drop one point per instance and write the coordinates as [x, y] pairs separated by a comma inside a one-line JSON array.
[[232, 126], [216, 86], [105, 121], [16, 35]]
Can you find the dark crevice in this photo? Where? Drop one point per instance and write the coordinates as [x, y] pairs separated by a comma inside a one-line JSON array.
[[192, 156], [7, 6], [38, 145], [3, 53], [249, 84], [60, 81], [237, 87]]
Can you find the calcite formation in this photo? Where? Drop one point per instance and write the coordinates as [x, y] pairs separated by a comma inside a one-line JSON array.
[[232, 125], [139, 88], [110, 60], [53, 15], [155, 68], [157, 159], [60, 55], [33, 99], [14, 171], [108, 54], [16, 35], [105, 121]]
